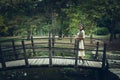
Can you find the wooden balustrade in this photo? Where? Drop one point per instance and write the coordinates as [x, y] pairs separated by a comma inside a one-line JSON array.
[[51, 47]]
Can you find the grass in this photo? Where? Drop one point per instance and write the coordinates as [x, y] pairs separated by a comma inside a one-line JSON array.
[[2, 39]]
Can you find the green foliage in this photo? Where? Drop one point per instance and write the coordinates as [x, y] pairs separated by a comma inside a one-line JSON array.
[[68, 14], [1, 21], [3, 28], [101, 31]]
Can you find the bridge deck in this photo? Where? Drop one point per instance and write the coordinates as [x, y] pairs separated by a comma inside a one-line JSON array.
[[56, 62]]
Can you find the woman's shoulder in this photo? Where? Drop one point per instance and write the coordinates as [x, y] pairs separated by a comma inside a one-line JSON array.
[[82, 31]]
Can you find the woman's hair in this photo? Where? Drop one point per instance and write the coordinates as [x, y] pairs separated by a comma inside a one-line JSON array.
[[82, 26]]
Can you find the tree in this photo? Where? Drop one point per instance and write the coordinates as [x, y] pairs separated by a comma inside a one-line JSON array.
[[104, 12], [3, 28]]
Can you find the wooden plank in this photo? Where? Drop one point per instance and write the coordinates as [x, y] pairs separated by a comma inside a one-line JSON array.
[[97, 64], [46, 61], [36, 60], [94, 64], [81, 63], [56, 61], [39, 61], [42, 61], [70, 62], [15, 63], [90, 63], [31, 61], [63, 61], [67, 62]]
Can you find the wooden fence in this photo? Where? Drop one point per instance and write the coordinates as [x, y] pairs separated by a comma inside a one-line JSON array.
[[16, 50]]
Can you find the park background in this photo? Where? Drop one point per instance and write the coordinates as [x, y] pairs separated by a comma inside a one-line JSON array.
[[61, 18]]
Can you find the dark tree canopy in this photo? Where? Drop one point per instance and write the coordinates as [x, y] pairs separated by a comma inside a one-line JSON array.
[[62, 13]]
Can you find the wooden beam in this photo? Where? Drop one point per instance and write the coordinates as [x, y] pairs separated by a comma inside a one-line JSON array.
[[50, 52], [104, 57], [25, 55], [76, 52], [97, 47], [14, 49], [32, 43], [2, 58]]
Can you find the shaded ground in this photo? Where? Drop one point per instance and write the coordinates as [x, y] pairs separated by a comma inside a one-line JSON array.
[[47, 74], [113, 57]]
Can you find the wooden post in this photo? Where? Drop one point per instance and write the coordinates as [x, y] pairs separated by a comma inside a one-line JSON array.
[[14, 49], [76, 52], [32, 42], [97, 47], [75, 44], [25, 55], [91, 39], [53, 41], [2, 58], [70, 38], [50, 52], [104, 71], [104, 57]]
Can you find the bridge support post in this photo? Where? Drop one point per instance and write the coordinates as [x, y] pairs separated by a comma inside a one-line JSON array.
[[76, 51], [14, 49], [53, 42], [104, 64], [50, 52], [25, 55], [2, 58], [104, 57], [32, 42], [97, 46]]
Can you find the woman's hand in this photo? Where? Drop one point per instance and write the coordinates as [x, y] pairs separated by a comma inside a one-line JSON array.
[[78, 38]]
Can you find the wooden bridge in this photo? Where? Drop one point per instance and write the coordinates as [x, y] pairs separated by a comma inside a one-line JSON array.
[[48, 52]]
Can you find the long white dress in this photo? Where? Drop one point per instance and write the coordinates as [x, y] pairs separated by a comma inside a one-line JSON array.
[[81, 43]]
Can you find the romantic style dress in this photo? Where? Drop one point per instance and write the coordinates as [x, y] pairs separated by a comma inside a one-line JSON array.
[[81, 35]]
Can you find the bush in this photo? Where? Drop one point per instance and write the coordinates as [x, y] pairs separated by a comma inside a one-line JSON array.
[[101, 31]]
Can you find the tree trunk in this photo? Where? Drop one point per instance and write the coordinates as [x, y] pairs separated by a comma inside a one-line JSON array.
[[91, 37], [60, 31], [28, 35], [111, 37]]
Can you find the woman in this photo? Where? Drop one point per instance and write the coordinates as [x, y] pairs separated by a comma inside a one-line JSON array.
[[81, 37]]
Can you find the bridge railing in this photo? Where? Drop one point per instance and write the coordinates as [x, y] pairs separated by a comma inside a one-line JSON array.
[[52, 47]]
